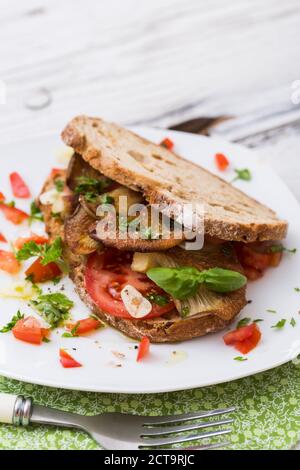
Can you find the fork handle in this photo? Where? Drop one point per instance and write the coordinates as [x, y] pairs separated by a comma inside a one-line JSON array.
[[15, 409]]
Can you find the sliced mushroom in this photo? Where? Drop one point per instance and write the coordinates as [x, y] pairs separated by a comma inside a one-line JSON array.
[[77, 236]]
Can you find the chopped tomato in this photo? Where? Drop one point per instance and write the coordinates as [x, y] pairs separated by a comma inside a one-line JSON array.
[[14, 215], [2, 197], [167, 143], [20, 242], [2, 238], [55, 172], [256, 258], [19, 187], [29, 330], [144, 348], [222, 162], [8, 262], [84, 326], [66, 360], [243, 339], [40, 273], [105, 276]]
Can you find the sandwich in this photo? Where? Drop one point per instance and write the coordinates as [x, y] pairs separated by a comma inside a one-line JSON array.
[[138, 280]]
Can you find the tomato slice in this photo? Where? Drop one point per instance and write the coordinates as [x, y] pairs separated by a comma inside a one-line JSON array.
[[67, 361], [244, 339], [2, 238], [29, 330], [84, 326], [2, 197], [256, 258], [14, 215], [20, 242], [144, 348], [19, 187], [105, 276], [167, 143], [222, 162], [40, 273], [8, 262], [55, 172]]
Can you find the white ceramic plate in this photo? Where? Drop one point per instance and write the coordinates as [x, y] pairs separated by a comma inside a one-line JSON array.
[[199, 362]]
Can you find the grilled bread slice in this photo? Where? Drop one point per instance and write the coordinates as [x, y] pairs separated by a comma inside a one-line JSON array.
[[171, 327], [164, 177]]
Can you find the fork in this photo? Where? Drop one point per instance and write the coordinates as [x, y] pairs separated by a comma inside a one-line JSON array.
[[117, 431]]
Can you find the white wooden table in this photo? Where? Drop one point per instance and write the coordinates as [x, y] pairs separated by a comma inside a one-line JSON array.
[[157, 63]]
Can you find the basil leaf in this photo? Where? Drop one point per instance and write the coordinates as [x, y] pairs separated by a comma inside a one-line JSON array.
[[183, 282], [223, 280]]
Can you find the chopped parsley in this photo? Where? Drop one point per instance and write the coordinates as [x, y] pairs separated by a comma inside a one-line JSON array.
[[240, 358], [279, 325], [157, 299], [293, 322], [297, 289], [106, 199], [35, 213], [12, 322], [56, 280], [281, 249], [270, 310], [54, 308], [59, 185], [73, 332], [55, 215], [185, 311], [91, 187], [243, 322], [48, 252], [243, 174], [46, 340], [258, 320]]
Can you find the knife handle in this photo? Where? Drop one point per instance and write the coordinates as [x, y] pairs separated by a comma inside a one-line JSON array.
[[15, 409]]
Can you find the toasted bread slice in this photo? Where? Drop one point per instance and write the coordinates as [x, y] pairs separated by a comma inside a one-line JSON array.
[[170, 327], [164, 177]]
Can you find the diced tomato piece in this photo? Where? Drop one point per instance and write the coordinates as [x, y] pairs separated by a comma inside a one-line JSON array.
[[2, 197], [243, 339], [167, 143], [41, 273], [222, 162], [2, 238], [8, 262], [84, 326], [275, 259], [19, 187], [66, 360], [29, 330], [252, 274], [14, 215], [55, 172], [20, 242], [144, 348]]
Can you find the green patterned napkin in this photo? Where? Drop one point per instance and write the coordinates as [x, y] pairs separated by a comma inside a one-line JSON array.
[[267, 416]]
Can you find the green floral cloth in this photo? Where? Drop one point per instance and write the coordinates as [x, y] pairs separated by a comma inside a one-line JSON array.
[[267, 416]]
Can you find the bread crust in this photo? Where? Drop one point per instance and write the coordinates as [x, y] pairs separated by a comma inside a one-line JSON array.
[[165, 177], [169, 328]]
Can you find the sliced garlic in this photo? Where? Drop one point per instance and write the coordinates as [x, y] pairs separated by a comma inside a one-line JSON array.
[[135, 303], [53, 198]]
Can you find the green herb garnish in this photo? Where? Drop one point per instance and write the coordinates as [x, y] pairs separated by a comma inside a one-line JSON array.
[[293, 322], [12, 322], [270, 310], [240, 358], [281, 249], [91, 187], [243, 174], [183, 282], [54, 308], [56, 280], [59, 185], [48, 253], [56, 215], [243, 322], [158, 299], [297, 289], [258, 320], [35, 213], [73, 332], [280, 324], [106, 199], [46, 340], [10, 204], [185, 311]]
